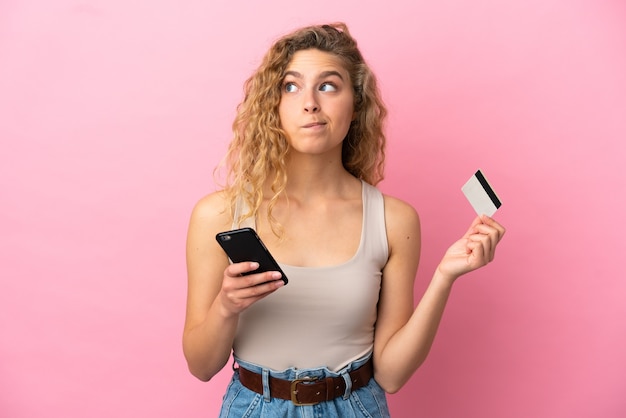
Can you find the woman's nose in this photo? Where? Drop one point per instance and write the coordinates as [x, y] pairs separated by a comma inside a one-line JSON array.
[[311, 104]]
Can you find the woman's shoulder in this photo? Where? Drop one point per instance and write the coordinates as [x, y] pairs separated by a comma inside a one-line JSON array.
[[400, 216], [398, 207], [213, 210], [217, 199]]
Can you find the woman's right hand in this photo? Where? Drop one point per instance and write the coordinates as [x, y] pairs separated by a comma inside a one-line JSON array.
[[238, 292]]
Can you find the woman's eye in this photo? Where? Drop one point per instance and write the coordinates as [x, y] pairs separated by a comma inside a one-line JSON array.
[[290, 87], [328, 87]]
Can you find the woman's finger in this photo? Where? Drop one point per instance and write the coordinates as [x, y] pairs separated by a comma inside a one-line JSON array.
[[494, 224]]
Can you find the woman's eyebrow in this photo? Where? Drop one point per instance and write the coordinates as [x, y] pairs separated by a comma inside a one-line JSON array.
[[331, 73], [323, 74], [293, 74]]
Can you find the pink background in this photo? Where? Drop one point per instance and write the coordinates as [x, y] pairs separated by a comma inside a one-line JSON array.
[[113, 114]]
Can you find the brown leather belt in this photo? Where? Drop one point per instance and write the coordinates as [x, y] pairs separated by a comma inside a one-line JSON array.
[[307, 391]]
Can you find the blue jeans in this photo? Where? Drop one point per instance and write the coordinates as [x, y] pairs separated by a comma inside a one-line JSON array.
[[239, 401]]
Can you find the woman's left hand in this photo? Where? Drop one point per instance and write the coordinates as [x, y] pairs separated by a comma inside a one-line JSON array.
[[476, 249]]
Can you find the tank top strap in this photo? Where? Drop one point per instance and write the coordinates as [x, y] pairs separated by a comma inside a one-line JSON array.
[[242, 207], [374, 229]]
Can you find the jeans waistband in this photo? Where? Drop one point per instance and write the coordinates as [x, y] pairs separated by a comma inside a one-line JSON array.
[[307, 390], [296, 373]]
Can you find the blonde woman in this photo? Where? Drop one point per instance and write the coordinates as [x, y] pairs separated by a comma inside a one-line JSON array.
[[307, 152]]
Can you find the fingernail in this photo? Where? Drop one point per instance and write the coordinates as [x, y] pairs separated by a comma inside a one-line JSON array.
[[254, 265], [276, 275]]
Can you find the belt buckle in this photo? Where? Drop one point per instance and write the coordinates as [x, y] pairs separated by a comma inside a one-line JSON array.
[[294, 391]]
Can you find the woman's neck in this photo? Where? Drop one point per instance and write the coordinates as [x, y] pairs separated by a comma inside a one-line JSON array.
[[319, 175]]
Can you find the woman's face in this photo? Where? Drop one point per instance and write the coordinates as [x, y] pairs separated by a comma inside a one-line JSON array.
[[317, 102]]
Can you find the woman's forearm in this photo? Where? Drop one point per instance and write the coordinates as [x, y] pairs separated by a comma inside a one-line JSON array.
[[408, 348], [208, 344]]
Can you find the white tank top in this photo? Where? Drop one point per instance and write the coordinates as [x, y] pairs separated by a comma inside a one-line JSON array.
[[325, 316]]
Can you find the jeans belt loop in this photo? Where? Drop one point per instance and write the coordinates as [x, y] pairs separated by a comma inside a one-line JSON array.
[[267, 396], [348, 380]]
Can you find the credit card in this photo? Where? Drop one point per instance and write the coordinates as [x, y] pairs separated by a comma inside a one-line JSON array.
[[481, 195]]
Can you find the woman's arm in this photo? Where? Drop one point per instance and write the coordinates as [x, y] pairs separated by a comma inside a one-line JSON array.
[[403, 335], [216, 292]]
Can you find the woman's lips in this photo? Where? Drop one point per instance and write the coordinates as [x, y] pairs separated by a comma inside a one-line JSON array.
[[314, 124]]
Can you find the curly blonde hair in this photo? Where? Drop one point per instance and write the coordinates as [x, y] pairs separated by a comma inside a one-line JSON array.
[[259, 147]]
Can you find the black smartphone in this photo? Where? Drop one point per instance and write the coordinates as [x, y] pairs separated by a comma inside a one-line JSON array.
[[245, 245]]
